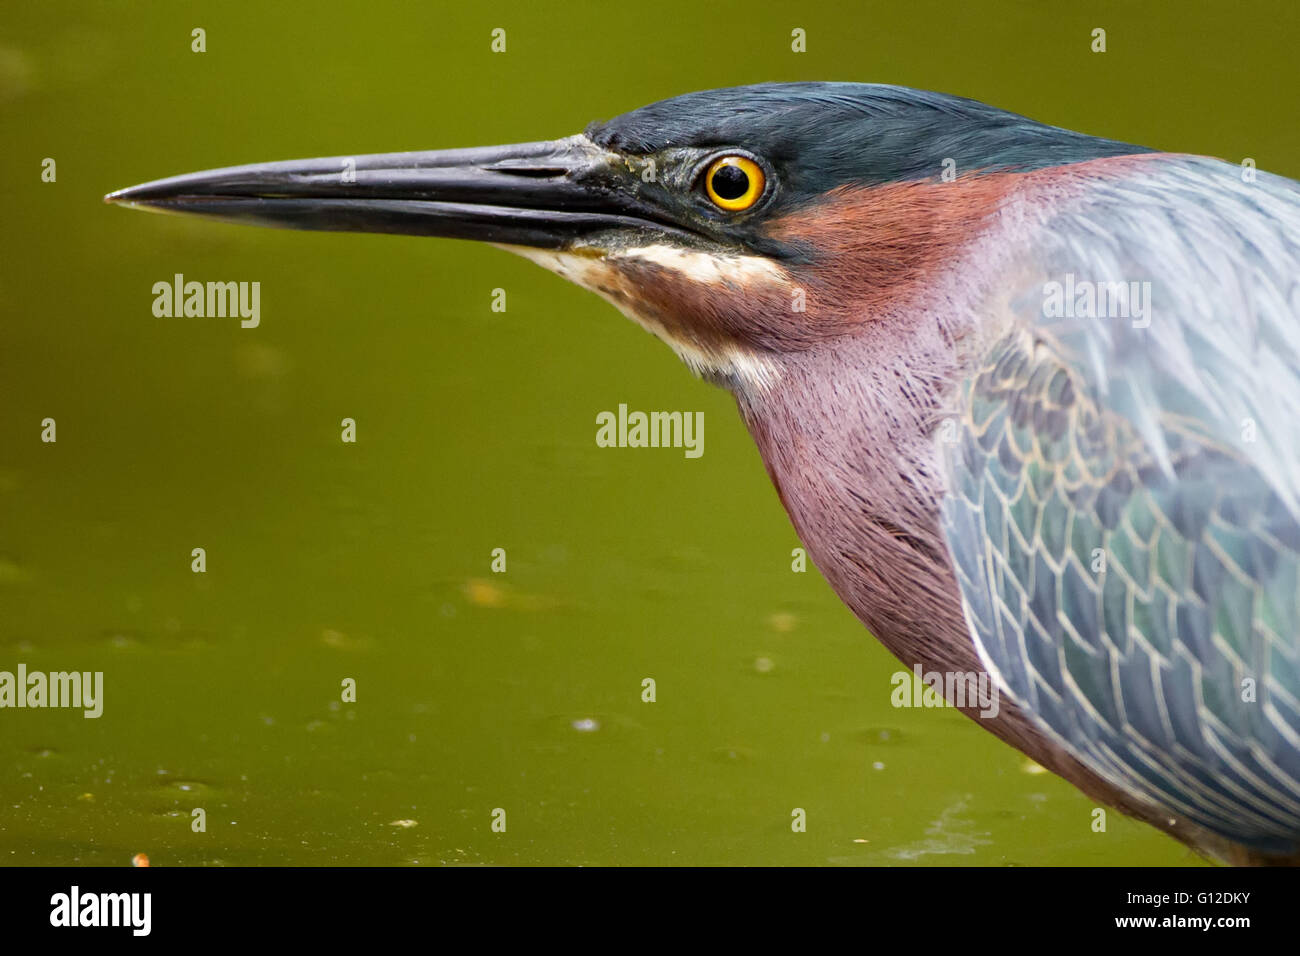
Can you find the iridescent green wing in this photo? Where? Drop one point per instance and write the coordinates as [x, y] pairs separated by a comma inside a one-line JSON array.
[[1125, 536]]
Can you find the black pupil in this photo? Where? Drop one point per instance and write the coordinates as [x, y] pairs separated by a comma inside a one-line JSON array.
[[730, 182]]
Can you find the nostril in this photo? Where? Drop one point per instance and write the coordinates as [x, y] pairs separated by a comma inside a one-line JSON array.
[[529, 172]]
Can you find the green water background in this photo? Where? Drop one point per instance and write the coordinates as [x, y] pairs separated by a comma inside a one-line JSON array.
[[476, 429]]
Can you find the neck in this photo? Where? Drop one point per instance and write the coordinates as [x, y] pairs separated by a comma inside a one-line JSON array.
[[846, 437]]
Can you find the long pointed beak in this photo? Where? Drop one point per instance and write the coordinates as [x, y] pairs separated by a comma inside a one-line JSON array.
[[546, 194]]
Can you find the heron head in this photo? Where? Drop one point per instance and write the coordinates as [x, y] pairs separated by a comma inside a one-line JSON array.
[[739, 225]]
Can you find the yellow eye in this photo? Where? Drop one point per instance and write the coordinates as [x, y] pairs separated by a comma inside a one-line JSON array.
[[734, 183]]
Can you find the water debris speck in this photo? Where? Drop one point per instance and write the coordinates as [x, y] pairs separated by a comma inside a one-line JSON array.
[[950, 834], [340, 641], [12, 574], [732, 754], [481, 592], [887, 736], [783, 622]]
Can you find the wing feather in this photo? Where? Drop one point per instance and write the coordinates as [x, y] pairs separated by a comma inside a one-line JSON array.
[[1125, 487]]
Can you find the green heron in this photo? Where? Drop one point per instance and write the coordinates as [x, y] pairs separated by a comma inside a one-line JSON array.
[[1028, 396]]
